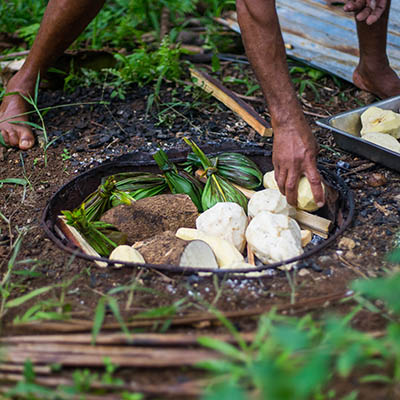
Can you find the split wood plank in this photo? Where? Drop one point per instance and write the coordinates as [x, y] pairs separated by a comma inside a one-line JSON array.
[[232, 101]]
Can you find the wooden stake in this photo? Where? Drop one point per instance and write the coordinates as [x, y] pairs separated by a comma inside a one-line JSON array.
[[233, 102], [316, 224]]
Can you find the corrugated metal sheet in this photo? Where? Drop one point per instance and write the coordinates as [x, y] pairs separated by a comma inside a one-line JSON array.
[[325, 36]]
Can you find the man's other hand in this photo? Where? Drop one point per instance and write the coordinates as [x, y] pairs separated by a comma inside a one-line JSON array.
[[294, 155], [366, 10]]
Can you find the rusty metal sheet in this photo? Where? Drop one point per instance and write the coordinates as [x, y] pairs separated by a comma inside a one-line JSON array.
[[325, 36]]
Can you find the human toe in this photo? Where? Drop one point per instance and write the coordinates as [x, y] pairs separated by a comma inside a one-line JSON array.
[[13, 139], [26, 140]]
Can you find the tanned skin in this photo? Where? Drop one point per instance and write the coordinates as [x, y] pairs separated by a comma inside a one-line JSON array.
[[295, 148]]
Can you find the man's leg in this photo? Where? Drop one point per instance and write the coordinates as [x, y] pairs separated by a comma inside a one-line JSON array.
[[62, 23], [373, 72]]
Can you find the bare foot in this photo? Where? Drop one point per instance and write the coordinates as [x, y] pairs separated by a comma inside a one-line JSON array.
[[17, 135], [383, 83]]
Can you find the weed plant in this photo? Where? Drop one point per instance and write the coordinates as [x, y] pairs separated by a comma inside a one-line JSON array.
[[301, 358]]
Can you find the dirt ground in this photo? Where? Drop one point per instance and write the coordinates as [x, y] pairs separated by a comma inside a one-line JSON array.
[[91, 134]]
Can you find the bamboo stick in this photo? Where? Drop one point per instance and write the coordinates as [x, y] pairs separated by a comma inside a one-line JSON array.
[[93, 356], [137, 339], [306, 305]]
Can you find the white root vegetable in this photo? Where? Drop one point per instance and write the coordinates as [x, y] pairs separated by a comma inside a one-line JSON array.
[[225, 220], [274, 237], [126, 253], [377, 120], [271, 200], [384, 140], [225, 252], [305, 198], [198, 254]]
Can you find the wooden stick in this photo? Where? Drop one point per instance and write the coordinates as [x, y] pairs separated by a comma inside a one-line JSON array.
[[314, 223], [250, 254], [233, 102]]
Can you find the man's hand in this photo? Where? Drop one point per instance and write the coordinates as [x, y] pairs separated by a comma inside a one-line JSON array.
[[366, 10], [294, 155]]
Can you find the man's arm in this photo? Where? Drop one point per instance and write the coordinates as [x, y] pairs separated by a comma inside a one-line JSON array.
[[295, 149]]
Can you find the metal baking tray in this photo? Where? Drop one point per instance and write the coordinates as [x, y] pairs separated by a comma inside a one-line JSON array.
[[346, 128]]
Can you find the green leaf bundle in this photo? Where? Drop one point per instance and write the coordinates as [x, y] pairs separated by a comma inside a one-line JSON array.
[[102, 236], [137, 185], [217, 188], [179, 181], [235, 167], [97, 203]]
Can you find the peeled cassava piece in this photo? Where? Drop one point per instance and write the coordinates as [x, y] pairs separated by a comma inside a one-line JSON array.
[[166, 248], [384, 140], [274, 237], [148, 217], [126, 253], [305, 198], [225, 220], [226, 253], [271, 200], [375, 120]]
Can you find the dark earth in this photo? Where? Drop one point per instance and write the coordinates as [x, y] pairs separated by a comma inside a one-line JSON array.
[[87, 135]]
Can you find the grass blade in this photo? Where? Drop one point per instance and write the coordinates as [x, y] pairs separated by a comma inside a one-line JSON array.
[[21, 300]]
